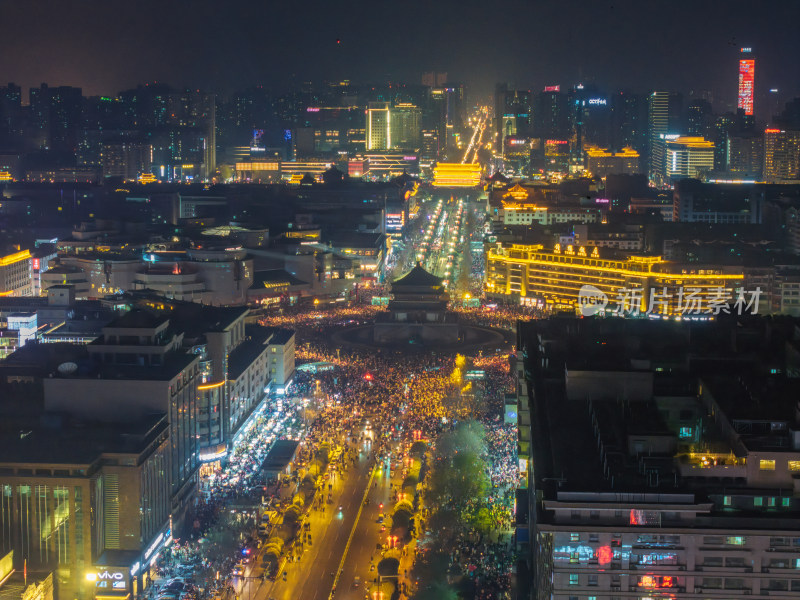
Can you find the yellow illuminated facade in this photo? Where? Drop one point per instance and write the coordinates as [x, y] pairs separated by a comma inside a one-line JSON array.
[[16, 276], [456, 175], [600, 162], [145, 178], [516, 192], [379, 132], [553, 279], [258, 166]]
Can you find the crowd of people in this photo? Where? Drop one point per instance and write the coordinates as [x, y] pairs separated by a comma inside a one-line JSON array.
[[408, 397], [417, 395]]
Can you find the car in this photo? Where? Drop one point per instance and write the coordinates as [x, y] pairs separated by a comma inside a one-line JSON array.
[[383, 528], [356, 582], [380, 518], [238, 570]]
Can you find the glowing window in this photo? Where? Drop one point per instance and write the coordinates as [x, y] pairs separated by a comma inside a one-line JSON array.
[[735, 540], [794, 465], [766, 465]]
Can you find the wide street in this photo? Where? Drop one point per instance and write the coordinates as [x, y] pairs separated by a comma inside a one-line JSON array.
[[369, 403]]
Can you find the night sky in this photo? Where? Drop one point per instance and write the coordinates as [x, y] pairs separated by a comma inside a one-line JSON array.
[[686, 45]]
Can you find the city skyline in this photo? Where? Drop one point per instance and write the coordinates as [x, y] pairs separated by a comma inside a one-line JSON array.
[[616, 46]]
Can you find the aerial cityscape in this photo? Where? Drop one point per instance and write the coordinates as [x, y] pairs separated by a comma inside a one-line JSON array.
[[437, 301]]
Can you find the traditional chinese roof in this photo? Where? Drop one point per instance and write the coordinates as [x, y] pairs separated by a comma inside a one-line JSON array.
[[417, 277], [517, 192]]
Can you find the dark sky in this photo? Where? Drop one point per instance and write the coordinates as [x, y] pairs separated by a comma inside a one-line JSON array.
[[107, 45]]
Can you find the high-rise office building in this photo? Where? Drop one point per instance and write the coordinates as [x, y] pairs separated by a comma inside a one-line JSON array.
[[746, 155], [687, 157], [379, 136], [126, 158], [629, 122], [550, 115], [434, 79], [10, 116], [724, 126], [747, 74], [512, 110], [429, 153], [700, 118], [405, 126], [663, 119], [781, 155], [56, 117]]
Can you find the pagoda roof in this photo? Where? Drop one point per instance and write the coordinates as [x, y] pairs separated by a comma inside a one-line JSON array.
[[417, 277]]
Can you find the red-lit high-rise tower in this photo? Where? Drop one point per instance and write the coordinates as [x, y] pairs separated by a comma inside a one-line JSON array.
[[747, 74]]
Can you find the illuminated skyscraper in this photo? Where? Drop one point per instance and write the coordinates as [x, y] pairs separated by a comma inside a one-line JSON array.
[[747, 74], [379, 135], [512, 109], [781, 155], [405, 126], [687, 157], [663, 122]]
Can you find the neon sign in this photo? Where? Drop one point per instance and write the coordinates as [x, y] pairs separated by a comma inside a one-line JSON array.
[[110, 575], [597, 101], [556, 142], [153, 546], [552, 88]]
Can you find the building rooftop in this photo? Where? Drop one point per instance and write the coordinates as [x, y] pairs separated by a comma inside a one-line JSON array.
[[623, 433], [255, 342], [281, 336], [280, 455], [175, 362], [138, 319], [58, 441], [417, 277], [260, 278]]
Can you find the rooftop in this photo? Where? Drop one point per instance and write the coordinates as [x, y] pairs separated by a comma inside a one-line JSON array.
[[77, 443], [255, 342], [417, 277]]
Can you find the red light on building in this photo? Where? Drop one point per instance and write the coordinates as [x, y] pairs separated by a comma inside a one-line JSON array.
[[747, 75], [36, 263], [647, 581], [556, 142], [658, 581], [552, 88], [604, 555]]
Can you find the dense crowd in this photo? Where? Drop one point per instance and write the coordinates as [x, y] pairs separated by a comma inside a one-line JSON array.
[[408, 396], [419, 395]]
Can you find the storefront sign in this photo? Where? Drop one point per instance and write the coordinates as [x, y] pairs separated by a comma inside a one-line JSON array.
[[111, 580]]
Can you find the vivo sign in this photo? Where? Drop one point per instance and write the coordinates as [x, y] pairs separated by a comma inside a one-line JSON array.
[[597, 101], [110, 575]]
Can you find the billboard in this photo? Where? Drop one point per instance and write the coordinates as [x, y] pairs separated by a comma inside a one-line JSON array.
[[747, 74]]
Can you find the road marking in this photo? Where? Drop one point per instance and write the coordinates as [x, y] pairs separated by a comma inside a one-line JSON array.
[[352, 533]]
